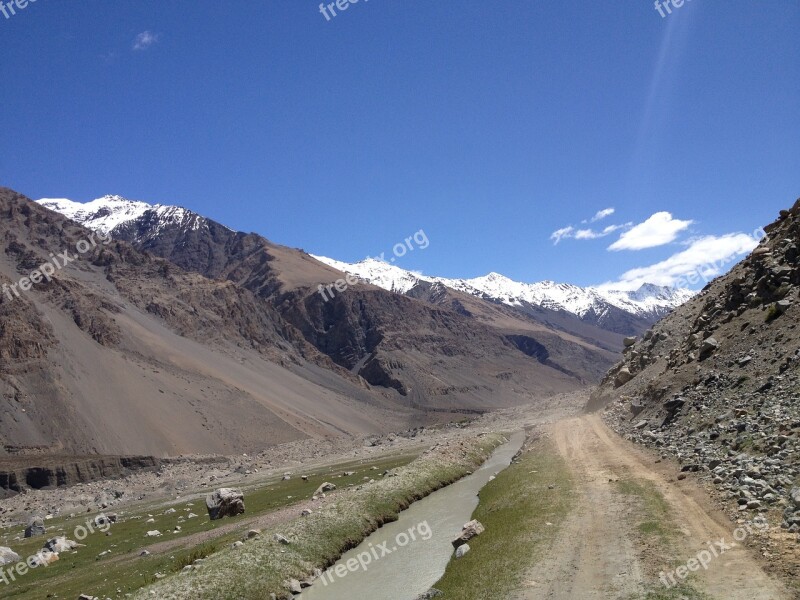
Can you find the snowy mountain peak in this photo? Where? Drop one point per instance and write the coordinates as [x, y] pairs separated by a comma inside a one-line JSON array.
[[649, 301], [102, 214], [111, 211]]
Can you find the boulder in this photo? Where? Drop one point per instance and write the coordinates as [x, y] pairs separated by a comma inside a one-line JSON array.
[[708, 347], [796, 497], [469, 531], [462, 550], [623, 376], [325, 487], [103, 520], [8, 556], [224, 502], [60, 544], [35, 527], [629, 341], [44, 558]]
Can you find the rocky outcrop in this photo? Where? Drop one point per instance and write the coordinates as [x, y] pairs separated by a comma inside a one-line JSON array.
[[54, 471], [714, 385]]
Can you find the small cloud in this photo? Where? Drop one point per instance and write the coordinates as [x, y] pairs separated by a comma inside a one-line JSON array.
[[658, 230], [591, 234], [559, 234], [704, 259], [144, 40], [588, 233], [602, 214]]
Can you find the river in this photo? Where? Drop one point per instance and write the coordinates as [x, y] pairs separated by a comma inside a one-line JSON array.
[[402, 560]]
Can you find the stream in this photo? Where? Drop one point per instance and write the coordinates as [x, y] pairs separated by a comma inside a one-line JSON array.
[[404, 559]]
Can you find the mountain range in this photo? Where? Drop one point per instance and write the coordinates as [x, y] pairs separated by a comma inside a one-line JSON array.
[[183, 336], [626, 312]]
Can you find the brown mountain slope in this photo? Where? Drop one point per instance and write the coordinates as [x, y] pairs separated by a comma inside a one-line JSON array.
[[122, 353]]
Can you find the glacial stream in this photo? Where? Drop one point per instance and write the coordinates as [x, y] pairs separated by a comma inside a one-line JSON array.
[[406, 567]]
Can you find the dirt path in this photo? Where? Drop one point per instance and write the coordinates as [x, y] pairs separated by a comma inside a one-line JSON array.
[[599, 554]]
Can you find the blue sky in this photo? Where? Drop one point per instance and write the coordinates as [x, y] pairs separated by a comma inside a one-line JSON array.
[[488, 125]]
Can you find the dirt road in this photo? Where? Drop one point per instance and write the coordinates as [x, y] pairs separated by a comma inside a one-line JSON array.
[[606, 549]]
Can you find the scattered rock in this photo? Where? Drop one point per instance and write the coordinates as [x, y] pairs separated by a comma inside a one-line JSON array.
[[469, 531], [8, 556], [325, 487], [35, 527], [61, 544]]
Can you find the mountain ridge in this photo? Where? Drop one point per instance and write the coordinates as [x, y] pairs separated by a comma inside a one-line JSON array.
[[592, 304]]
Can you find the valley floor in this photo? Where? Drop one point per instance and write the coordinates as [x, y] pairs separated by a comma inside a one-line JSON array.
[[582, 514]]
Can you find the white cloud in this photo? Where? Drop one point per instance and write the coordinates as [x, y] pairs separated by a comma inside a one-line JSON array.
[[602, 214], [659, 229], [705, 258], [590, 234], [559, 234], [144, 40]]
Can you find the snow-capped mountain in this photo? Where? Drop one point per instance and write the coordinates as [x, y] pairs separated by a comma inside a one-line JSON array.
[[650, 302], [109, 212], [143, 223]]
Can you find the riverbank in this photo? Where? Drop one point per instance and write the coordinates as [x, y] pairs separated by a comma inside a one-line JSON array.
[[521, 510], [265, 565]]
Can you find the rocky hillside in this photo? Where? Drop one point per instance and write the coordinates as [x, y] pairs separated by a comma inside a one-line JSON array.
[[716, 383]]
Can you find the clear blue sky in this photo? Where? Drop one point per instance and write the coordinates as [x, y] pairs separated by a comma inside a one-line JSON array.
[[490, 125]]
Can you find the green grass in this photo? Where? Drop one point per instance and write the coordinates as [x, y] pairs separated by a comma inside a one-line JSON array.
[[657, 524], [655, 509], [680, 592], [515, 509], [261, 566], [772, 314], [124, 570]]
